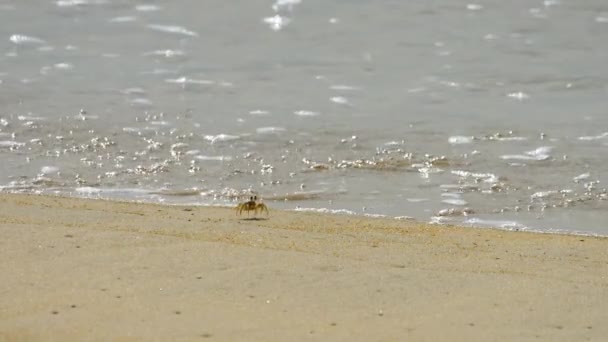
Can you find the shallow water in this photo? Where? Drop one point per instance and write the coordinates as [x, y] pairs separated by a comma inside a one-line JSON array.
[[485, 114]]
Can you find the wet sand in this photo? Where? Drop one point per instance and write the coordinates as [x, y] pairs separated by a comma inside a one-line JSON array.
[[75, 269]]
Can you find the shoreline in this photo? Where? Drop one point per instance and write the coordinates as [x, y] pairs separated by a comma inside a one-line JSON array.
[[104, 269], [323, 211]]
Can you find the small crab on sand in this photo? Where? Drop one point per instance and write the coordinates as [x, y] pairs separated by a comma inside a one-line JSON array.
[[251, 205]]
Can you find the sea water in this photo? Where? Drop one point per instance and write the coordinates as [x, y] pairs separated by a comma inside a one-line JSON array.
[[487, 113]]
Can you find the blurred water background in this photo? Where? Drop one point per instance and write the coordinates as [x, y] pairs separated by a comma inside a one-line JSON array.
[[489, 114]]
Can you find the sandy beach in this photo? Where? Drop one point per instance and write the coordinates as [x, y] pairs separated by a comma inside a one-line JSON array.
[[77, 270]]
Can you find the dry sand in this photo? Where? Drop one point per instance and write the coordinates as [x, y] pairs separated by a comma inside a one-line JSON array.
[[76, 270]]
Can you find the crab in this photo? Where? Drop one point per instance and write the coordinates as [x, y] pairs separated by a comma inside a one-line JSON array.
[[261, 207], [251, 205]]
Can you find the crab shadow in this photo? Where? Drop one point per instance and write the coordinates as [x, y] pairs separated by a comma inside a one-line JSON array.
[[254, 219]]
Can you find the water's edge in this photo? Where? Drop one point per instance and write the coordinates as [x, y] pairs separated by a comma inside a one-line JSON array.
[[317, 211]]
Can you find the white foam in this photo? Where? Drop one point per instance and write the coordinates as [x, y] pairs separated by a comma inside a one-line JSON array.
[[166, 53], [539, 154], [125, 19], [88, 190], [342, 87], [594, 137], [581, 177], [73, 3], [140, 101], [30, 118], [221, 138], [519, 96], [327, 211], [91, 190], [48, 170], [339, 100], [11, 143], [160, 123], [487, 177], [84, 117], [404, 217], [147, 8], [172, 29], [544, 194], [285, 4], [185, 80], [214, 158], [440, 220], [63, 66], [23, 39], [517, 157], [179, 146], [459, 139], [549, 3], [306, 113], [416, 200], [276, 22], [510, 225], [259, 112], [455, 201], [511, 139], [270, 130]]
